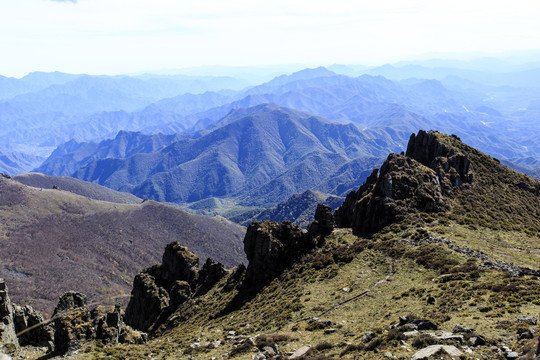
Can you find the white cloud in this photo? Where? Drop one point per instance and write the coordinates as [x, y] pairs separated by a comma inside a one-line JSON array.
[[110, 36]]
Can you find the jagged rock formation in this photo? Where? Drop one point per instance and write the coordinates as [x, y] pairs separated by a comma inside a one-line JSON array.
[[436, 173], [7, 327], [451, 166], [71, 324], [402, 186], [270, 247], [160, 289], [324, 221]]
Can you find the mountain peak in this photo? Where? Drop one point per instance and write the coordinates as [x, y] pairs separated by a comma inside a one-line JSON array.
[[439, 173]]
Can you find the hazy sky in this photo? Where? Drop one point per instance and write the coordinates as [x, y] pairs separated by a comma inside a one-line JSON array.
[[124, 36]]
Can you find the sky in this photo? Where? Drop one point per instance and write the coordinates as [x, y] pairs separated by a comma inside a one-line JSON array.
[[129, 36]]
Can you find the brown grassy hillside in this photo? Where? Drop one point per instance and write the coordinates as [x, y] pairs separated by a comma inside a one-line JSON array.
[[52, 241]]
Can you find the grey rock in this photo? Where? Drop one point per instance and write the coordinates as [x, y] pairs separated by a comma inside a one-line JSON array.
[[299, 352], [409, 327], [528, 319], [260, 356], [7, 326], [512, 355], [529, 334], [368, 336], [70, 300], [462, 329], [329, 331], [270, 247], [389, 355], [411, 333], [425, 353], [477, 340], [324, 221], [447, 336], [5, 356], [425, 324]]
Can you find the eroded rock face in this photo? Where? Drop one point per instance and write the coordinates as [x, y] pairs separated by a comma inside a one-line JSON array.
[[179, 264], [270, 247], [414, 182], [7, 326], [25, 318], [402, 186], [160, 289], [324, 221], [73, 323], [452, 167]]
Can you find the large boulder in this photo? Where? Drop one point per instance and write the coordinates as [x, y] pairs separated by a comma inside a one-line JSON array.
[[270, 247]]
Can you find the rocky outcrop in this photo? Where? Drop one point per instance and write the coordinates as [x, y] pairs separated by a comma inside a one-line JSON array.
[[270, 247], [71, 324], [402, 186], [27, 324], [7, 326], [160, 289], [415, 182], [74, 323], [324, 221], [452, 166]]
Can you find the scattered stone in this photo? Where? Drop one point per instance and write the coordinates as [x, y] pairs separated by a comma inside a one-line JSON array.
[[512, 355], [368, 336], [425, 324], [462, 329], [329, 331], [346, 289], [260, 356], [529, 334], [409, 327], [425, 353], [389, 355], [468, 350], [447, 336], [528, 319], [5, 357], [195, 345], [300, 352], [269, 351], [411, 333], [216, 343], [339, 324], [477, 340]]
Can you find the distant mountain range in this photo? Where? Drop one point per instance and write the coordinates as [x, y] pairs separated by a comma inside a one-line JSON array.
[[259, 156], [57, 108]]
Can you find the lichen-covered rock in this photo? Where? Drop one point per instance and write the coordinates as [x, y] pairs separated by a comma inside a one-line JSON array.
[[270, 247]]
